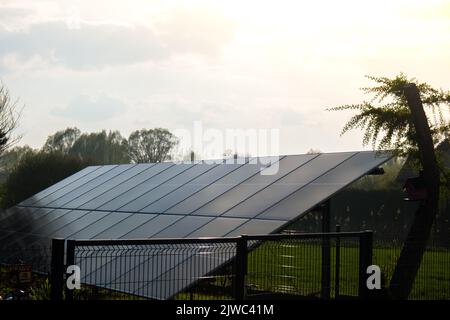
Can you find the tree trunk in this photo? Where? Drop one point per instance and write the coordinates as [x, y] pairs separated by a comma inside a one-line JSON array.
[[415, 244]]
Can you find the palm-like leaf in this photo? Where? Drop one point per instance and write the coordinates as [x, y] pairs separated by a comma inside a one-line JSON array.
[[388, 125]]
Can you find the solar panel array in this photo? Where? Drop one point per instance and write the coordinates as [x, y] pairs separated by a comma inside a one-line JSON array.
[[178, 200]]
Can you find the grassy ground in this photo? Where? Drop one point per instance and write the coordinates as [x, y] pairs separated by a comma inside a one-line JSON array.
[[292, 268], [295, 268]]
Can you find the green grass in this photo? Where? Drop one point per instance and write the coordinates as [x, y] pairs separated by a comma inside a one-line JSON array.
[[296, 268], [291, 268]]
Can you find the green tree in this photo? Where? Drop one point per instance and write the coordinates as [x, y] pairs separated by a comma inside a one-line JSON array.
[[10, 158], [9, 117], [395, 118], [45, 169], [153, 145], [62, 141], [101, 147]]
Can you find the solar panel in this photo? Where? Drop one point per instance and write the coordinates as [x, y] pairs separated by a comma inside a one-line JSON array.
[[152, 227], [38, 223], [69, 187], [321, 188], [172, 199], [163, 189], [262, 227], [149, 171], [100, 226], [106, 186], [218, 226], [276, 191], [153, 182], [217, 188], [25, 221], [183, 227], [63, 201], [177, 200], [121, 228], [59, 185], [78, 225], [252, 185]]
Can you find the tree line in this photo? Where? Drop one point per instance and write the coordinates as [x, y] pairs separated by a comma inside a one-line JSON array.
[[68, 151]]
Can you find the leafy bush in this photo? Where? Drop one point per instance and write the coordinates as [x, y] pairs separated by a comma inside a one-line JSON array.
[[37, 171]]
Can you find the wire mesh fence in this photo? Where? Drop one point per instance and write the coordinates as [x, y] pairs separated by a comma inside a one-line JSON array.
[[156, 271], [217, 268], [295, 268], [286, 267]]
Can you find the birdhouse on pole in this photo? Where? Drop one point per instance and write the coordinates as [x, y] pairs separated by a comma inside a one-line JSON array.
[[415, 188]]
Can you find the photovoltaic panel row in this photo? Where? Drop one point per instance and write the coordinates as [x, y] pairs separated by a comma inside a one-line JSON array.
[[185, 191], [128, 196], [180, 200], [42, 224], [22, 221], [147, 201], [112, 194], [324, 186], [125, 175], [253, 185], [62, 201], [58, 185], [132, 187], [274, 192], [158, 192], [172, 268], [68, 188], [219, 187], [169, 188]]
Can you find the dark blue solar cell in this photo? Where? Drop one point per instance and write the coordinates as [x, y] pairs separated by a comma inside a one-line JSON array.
[[65, 200], [305, 174], [67, 189], [187, 190], [58, 185], [167, 187]]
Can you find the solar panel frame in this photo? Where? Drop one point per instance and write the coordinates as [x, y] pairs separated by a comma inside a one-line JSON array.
[[251, 186], [72, 186], [250, 207], [216, 189], [105, 187], [167, 187], [197, 185], [122, 200], [180, 200], [55, 187], [99, 202], [64, 200]]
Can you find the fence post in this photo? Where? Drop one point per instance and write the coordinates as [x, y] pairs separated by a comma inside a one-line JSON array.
[[365, 260], [338, 263], [70, 260], [241, 267], [326, 254], [57, 269]]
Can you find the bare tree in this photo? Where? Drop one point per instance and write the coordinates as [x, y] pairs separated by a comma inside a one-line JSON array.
[[9, 117]]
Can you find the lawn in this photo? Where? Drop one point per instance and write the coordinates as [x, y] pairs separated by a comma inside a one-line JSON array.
[[296, 268], [292, 267]]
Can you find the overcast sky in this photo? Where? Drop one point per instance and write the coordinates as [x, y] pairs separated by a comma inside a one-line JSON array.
[[128, 65]]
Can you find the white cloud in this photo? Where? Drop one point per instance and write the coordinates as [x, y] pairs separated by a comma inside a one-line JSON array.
[[91, 109], [82, 45], [230, 64], [90, 46]]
